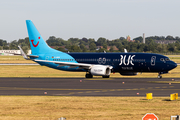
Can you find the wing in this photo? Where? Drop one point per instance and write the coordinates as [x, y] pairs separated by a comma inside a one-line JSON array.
[[73, 65], [26, 56]]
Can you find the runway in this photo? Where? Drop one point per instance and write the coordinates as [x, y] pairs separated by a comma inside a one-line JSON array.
[[88, 87]]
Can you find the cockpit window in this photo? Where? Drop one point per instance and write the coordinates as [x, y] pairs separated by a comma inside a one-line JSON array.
[[167, 59], [162, 59]]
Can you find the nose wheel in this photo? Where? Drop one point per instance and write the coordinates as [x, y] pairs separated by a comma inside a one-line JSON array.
[[159, 76]]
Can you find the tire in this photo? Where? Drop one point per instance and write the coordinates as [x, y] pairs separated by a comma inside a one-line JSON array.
[[105, 76], [159, 76], [89, 76]]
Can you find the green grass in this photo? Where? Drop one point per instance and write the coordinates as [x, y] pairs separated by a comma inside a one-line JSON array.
[[85, 108], [43, 71], [14, 59]]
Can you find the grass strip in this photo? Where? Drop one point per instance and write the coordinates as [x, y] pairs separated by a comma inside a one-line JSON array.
[[85, 108]]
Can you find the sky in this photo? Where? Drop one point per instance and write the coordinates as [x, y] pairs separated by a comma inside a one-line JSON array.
[[110, 19]]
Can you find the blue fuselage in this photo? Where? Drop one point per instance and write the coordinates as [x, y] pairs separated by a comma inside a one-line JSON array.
[[121, 62]]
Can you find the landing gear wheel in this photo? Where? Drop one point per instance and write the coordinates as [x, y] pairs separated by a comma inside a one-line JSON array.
[[159, 76], [89, 76], [105, 76]]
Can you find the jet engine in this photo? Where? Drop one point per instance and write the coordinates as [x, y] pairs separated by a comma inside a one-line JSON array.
[[129, 73], [100, 70]]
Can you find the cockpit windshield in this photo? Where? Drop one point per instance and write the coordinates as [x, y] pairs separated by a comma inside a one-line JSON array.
[[167, 59], [162, 59]]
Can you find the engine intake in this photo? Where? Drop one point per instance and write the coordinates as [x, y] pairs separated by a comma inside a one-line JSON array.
[[100, 70]]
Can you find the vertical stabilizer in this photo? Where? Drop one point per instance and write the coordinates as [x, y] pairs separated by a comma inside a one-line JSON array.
[[37, 43]]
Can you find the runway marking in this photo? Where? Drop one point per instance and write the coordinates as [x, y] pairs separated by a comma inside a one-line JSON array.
[[18, 88], [80, 92], [97, 91], [104, 90], [135, 89], [112, 90], [127, 89], [142, 88], [120, 90], [87, 90]]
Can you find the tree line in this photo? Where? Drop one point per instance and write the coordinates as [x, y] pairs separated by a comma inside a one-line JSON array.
[[101, 45]]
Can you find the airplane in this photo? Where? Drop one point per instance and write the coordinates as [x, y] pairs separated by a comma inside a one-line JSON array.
[[95, 64]]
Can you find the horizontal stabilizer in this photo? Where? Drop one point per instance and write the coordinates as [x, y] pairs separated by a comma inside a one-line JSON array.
[[35, 56]]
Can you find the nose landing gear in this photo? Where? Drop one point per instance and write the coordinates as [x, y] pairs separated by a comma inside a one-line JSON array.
[[159, 75], [163, 72]]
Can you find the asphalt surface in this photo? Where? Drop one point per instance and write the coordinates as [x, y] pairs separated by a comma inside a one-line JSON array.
[[87, 87]]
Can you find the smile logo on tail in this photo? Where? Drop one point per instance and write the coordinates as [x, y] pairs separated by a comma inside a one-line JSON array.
[[34, 44]]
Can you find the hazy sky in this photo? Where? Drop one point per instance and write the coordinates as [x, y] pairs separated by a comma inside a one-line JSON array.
[[90, 18]]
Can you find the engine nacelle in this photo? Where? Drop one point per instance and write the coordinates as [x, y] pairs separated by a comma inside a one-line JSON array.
[[100, 70], [129, 73]]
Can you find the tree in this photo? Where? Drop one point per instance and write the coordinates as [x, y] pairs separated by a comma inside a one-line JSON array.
[[74, 41], [75, 48], [61, 49], [25, 49], [92, 46], [119, 46], [140, 39], [171, 47], [121, 38], [13, 45], [111, 49], [101, 41], [101, 50], [5, 48], [169, 37], [105, 46], [1, 42], [83, 48]]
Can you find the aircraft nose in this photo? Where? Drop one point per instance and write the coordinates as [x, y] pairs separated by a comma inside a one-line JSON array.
[[173, 65]]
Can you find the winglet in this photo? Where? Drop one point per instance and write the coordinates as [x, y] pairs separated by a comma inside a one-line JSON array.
[[23, 54], [125, 50]]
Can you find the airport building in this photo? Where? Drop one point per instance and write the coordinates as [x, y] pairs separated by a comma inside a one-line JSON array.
[[12, 52]]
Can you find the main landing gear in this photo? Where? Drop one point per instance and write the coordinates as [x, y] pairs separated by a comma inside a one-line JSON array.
[[105, 76], [159, 76], [89, 75]]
